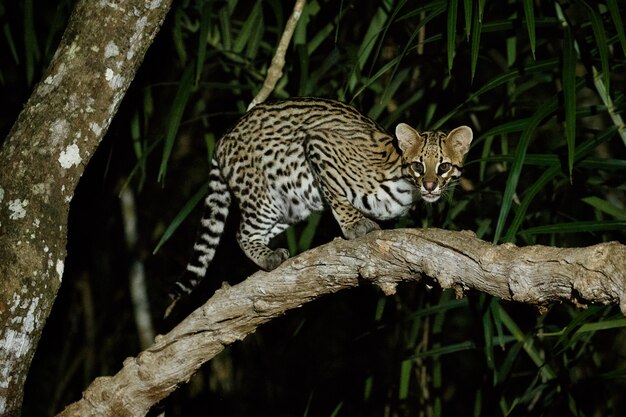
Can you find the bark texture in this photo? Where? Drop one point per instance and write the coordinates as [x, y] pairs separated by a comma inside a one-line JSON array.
[[43, 158], [535, 274]]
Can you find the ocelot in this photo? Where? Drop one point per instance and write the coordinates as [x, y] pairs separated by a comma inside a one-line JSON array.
[[284, 160]]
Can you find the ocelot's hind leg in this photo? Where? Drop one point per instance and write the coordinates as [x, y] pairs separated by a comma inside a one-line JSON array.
[[253, 239]]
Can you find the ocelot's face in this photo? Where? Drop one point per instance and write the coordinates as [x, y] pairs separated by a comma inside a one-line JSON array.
[[433, 172], [433, 160]]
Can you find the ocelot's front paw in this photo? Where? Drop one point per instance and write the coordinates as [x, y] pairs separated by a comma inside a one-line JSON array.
[[359, 228], [274, 259]]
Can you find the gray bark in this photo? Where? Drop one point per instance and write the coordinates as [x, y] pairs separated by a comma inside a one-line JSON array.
[[535, 274], [43, 158]]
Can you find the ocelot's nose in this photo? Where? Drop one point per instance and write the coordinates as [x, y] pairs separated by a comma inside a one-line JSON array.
[[430, 185]]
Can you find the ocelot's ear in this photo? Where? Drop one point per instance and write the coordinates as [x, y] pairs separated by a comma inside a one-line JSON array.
[[407, 136], [459, 140]]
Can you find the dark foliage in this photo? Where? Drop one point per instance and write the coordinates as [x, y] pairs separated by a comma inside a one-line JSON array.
[[541, 84]]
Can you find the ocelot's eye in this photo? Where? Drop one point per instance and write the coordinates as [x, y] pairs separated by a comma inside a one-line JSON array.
[[444, 167], [417, 167]]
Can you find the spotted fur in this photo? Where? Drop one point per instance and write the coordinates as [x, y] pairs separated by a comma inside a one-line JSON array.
[[284, 160]]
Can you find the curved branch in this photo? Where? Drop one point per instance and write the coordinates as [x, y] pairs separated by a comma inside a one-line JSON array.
[[534, 274]]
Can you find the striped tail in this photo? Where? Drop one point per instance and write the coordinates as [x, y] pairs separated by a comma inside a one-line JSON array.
[[216, 206]]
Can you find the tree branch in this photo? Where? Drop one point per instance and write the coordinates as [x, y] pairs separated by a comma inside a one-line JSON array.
[[534, 274]]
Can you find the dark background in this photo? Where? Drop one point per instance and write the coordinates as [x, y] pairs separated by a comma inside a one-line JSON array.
[[357, 353]]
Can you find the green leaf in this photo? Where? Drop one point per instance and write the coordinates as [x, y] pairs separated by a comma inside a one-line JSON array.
[[390, 20], [248, 30], [311, 83], [467, 8], [512, 126], [601, 43], [569, 95], [319, 38], [527, 344], [393, 117], [580, 324], [585, 226], [148, 106], [307, 235], [391, 88], [174, 118], [488, 338], [614, 375], [548, 175], [511, 53], [478, 403], [225, 28], [292, 246], [534, 68], [546, 109], [30, 41], [603, 163], [567, 335], [337, 409], [135, 134], [441, 307], [445, 350], [368, 387], [537, 67], [395, 63], [477, 28], [182, 215], [617, 21], [495, 308], [300, 33], [209, 141], [614, 112], [529, 196], [451, 32], [202, 39], [10, 42], [178, 36], [511, 358], [603, 325], [253, 45], [382, 71], [374, 29], [511, 23], [278, 13], [529, 13], [138, 146], [405, 379], [606, 207], [424, 7]]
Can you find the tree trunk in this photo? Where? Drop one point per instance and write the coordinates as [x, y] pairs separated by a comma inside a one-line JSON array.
[[533, 274], [43, 158]]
